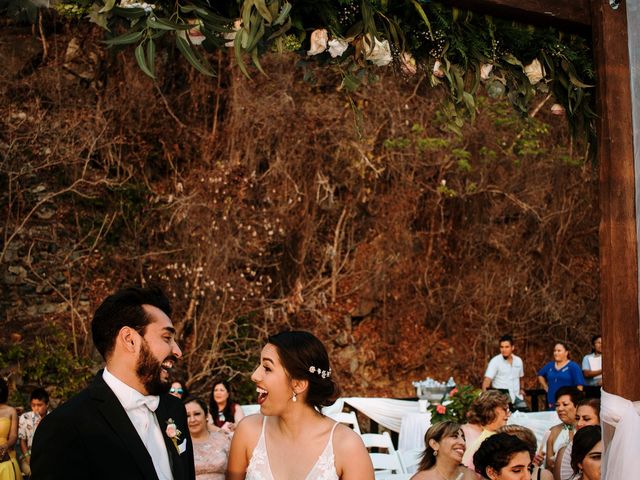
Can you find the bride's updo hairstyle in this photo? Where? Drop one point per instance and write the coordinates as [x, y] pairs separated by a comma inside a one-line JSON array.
[[304, 357]]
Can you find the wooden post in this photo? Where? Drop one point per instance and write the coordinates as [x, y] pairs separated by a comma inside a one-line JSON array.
[[618, 232]]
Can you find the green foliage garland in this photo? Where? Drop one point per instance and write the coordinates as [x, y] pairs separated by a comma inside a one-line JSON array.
[[458, 49]]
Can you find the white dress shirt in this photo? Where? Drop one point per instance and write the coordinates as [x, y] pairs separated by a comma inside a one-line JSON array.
[[506, 375], [140, 410]]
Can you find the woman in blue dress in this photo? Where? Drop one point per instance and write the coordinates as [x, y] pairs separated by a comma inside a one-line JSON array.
[[561, 372]]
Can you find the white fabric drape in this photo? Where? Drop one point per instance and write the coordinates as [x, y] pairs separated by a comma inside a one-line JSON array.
[[621, 459], [387, 412]]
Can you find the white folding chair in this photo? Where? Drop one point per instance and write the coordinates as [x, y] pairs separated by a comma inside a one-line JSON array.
[[410, 459], [383, 463], [349, 418]]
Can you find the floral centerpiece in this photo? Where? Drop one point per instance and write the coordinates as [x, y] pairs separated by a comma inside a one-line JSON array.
[[455, 405]]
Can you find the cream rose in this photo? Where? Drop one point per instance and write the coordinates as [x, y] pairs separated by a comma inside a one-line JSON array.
[[534, 71], [319, 40]]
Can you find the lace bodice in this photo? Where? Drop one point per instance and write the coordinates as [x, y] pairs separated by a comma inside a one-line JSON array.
[[259, 468], [210, 456]]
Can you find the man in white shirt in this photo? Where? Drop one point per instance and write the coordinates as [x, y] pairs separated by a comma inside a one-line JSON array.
[[125, 425], [504, 373]]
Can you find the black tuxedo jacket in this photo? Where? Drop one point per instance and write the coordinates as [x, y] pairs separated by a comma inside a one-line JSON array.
[[91, 438]]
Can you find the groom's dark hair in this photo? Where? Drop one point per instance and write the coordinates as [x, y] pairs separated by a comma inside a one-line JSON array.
[[124, 309]]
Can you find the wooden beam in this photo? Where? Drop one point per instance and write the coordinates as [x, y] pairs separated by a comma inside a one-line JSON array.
[[618, 234], [572, 15]]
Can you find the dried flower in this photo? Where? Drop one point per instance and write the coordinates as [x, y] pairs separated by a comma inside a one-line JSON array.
[[437, 69], [319, 40], [337, 46], [231, 36], [377, 52], [408, 64], [557, 109], [485, 71], [534, 71], [196, 37]]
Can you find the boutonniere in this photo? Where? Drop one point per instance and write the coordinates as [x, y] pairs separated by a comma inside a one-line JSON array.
[[173, 433]]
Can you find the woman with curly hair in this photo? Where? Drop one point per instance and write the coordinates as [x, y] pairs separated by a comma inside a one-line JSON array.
[[503, 457], [442, 455]]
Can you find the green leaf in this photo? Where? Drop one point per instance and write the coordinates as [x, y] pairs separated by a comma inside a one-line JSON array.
[[284, 13], [509, 58], [165, 24], [125, 39], [98, 18], [185, 48], [423, 15], [129, 12], [151, 56], [109, 4], [142, 63]]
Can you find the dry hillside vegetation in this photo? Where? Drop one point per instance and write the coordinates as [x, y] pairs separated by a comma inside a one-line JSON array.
[[268, 203]]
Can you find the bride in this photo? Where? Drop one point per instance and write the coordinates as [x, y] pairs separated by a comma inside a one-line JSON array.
[[290, 439]]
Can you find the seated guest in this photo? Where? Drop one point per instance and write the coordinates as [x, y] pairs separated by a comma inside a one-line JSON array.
[[503, 457], [492, 410], [225, 413], [442, 455], [560, 435], [560, 372], [210, 449], [179, 390], [587, 413], [587, 453], [27, 424], [526, 435]]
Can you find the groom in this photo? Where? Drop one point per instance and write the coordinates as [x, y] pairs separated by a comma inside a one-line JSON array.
[[125, 425]]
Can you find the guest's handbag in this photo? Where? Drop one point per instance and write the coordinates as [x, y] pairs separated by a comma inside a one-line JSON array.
[[5, 457]]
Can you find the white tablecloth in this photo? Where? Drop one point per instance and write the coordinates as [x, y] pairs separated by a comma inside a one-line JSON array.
[[412, 429]]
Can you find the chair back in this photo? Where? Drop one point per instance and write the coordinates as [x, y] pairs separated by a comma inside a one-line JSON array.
[[387, 463], [348, 418]]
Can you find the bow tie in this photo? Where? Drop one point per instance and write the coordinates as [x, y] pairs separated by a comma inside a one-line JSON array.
[[149, 401]]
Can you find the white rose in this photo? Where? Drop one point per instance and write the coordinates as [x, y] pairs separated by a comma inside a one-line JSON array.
[[534, 71], [485, 71], [231, 36], [337, 46], [319, 39], [557, 109], [437, 69], [196, 37], [379, 54], [408, 64]]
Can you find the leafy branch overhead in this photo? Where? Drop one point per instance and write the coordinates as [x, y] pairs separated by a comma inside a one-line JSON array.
[[458, 49]]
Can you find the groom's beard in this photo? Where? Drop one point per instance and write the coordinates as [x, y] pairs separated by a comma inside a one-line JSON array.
[[149, 371]]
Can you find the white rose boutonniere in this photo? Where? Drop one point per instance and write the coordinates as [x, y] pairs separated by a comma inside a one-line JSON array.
[[173, 433]]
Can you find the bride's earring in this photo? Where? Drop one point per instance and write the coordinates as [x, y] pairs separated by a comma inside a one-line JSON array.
[[295, 397]]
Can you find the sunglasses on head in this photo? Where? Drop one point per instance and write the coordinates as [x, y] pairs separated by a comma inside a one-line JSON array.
[[176, 390]]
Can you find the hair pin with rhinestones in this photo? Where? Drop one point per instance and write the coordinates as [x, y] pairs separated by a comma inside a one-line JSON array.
[[319, 371]]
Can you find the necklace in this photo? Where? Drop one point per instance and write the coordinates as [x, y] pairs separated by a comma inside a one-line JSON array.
[[444, 477]]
